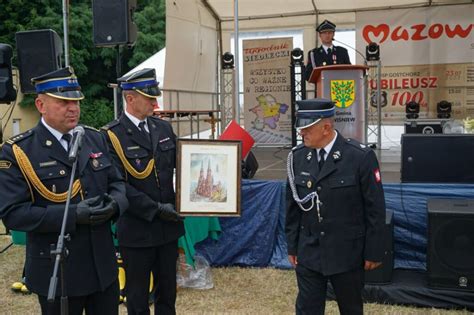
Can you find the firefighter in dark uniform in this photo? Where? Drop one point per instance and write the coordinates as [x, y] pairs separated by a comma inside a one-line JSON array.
[[327, 53], [335, 211], [145, 149], [34, 179]]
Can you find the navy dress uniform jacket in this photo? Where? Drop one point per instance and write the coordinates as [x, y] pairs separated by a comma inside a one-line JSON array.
[[352, 210], [91, 265], [339, 56], [139, 226]]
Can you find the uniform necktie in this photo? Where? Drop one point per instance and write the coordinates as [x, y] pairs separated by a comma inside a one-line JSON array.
[[67, 137], [321, 158], [329, 51], [143, 131]]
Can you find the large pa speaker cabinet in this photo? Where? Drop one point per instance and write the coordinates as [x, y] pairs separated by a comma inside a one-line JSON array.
[[113, 22], [437, 158], [451, 243], [39, 52], [383, 274]]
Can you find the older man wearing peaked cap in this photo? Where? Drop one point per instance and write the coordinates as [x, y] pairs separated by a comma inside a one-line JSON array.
[[335, 211]]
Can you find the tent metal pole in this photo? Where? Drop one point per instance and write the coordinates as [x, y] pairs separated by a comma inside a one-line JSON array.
[[236, 54], [65, 30]]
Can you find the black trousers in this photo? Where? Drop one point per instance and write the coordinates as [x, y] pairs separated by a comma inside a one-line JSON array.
[[138, 263], [98, 303], [312, 287]]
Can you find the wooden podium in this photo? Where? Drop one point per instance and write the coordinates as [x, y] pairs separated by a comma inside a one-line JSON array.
[[345, 86]]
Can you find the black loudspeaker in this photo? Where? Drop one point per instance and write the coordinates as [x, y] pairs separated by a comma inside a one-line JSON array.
[[383, 274], [437, 158], [424, 126], [249, 166], [39, 52], [7, 92], [113, 22], [451, 243]]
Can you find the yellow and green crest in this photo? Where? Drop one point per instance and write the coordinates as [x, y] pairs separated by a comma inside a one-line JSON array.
[[343, 92]]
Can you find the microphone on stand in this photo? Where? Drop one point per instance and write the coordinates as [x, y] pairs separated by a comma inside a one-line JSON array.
[[76, 141], [60, 252], [353, 48]]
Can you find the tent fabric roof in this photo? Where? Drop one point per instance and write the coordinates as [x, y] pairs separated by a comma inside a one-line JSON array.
[[253, 9]]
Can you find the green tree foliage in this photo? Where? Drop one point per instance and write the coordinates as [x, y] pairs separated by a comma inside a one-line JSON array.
[[94, 66]]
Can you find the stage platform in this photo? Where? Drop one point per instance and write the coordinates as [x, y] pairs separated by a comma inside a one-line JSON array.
[[272, 163], [410, 288]]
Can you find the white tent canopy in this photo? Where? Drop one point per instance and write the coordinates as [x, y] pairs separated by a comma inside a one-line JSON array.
[[251, 9], [199, 31]]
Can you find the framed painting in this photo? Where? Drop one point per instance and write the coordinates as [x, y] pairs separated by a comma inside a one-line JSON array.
[[208, 180]]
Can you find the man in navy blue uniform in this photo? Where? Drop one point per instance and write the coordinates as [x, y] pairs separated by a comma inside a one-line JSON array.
[[335, 211], [145, 150], [34, 179], [327, 53]]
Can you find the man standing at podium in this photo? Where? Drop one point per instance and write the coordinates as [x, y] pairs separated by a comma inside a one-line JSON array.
[[327, 53]]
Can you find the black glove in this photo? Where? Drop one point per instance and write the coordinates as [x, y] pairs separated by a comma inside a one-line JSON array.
[[103, 214], [84, 208], [167, 212]]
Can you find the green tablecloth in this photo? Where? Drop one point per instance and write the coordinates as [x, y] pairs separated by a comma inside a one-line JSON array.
[[197, 229]]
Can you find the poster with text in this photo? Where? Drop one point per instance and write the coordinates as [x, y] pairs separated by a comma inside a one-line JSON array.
[[427, 56], [267, 87]]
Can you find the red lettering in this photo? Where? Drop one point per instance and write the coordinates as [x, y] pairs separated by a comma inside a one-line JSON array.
[[418, 29], [372, 33], [433, 82], [458, 30], [383, 29], [373, 84], [383, 84], [405, 84], [435, 31], [424, 83], [395, 36]]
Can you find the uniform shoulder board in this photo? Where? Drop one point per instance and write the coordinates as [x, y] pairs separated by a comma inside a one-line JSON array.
[[299, 146], [357, 144], [110, 125], [19, 137], [91, 128]]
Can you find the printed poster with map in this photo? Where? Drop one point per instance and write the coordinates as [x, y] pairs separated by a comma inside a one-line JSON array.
[[267, 111]]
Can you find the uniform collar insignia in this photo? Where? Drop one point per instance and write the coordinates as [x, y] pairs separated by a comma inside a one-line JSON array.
[[336, 155], [309, 155], [48, 143]]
